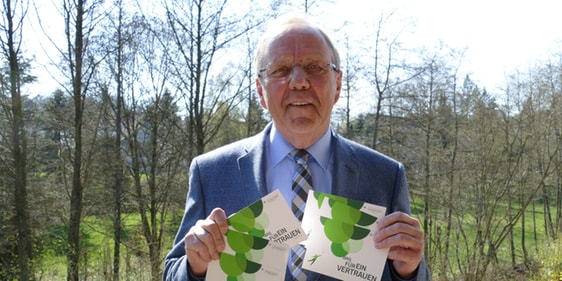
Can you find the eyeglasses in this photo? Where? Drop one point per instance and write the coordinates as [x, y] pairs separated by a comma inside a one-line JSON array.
[[283, 71]]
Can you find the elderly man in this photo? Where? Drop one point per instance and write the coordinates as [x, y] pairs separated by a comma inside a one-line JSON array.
[[299, 81]]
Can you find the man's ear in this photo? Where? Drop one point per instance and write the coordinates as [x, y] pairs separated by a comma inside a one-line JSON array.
[[338, 86], [259, 89]]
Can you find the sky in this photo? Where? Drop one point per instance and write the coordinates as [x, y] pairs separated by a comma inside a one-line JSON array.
[[499, 36]]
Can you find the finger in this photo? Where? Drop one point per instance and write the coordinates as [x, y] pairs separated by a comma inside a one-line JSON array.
[[396, 223], [407, 255], [219, 217], [194, 247], [400, 239], [399, 229], [403, 235], [405, 261], [207, 236], [406, 252], [208, 233], [397, 217], [215, 228], [211, 238], [205, 240], [197, 254]]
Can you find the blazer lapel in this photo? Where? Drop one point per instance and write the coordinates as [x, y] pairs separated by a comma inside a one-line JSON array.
[[251, 166], [346, 170]]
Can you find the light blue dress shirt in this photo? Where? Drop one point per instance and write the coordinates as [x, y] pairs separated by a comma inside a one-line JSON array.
[[280, 166]]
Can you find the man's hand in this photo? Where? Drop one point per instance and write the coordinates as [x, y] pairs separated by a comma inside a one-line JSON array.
[[205, 240], [403, 235]]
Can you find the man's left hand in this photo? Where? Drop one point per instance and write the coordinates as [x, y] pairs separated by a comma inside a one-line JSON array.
[[403, 235]]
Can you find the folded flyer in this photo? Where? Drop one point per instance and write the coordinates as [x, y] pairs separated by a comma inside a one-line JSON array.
[[248, 257], [258, 242], [340, 238]]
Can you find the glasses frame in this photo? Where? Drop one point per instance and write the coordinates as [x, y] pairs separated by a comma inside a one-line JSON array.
[[330, 65]]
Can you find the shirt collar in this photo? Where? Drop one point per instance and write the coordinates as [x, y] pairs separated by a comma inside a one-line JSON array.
[[320, 150]]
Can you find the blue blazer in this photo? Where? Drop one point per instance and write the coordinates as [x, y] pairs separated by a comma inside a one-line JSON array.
[[233, 176]]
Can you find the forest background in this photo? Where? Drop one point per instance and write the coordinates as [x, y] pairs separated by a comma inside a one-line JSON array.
[[93, 175]]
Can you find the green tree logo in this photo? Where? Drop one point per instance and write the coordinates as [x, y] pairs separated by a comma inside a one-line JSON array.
[[345, 229], [346, 238], [243, 244], [250, 220], [349, 214], [234, 266]]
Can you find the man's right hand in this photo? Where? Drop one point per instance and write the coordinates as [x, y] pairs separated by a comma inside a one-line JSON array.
[[205, 240]]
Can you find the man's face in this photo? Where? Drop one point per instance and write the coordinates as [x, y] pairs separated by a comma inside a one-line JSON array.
[[298, 86]]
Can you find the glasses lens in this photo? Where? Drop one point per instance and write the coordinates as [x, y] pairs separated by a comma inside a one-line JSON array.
[[284, 71]]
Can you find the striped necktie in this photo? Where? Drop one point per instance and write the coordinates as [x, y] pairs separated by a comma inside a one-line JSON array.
[[302, 183]]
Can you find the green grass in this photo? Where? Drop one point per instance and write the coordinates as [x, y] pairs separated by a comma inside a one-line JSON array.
[[536, 240], [97, 247]]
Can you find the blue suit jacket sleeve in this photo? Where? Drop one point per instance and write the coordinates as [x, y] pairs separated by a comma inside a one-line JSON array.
[[229, 178]]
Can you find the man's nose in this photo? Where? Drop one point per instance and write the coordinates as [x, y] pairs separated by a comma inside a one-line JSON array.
[[298, 78]]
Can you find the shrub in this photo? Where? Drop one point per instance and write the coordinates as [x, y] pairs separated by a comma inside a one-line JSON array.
[[550, 262]]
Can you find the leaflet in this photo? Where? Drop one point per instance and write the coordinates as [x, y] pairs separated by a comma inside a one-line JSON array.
[[258, 242], [339, 208], [340, 233]]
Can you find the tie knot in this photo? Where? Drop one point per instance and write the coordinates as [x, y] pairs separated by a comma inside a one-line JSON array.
[[300, 156]]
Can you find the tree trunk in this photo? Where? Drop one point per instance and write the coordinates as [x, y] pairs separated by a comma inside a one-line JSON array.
[[118, 165], [118, 193], [511, 238], [451, 191], [76, 198], [19, 151]]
